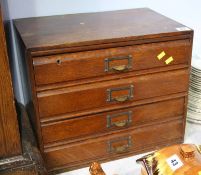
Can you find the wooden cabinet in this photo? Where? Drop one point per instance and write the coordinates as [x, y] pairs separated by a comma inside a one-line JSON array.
[[106, 85]]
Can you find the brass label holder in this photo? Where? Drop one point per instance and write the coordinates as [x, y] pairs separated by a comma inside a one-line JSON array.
[[123, 98], [120, 68], [119, 124], [120, 149]]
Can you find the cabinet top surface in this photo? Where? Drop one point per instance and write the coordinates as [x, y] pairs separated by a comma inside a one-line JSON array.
[[42, 33]]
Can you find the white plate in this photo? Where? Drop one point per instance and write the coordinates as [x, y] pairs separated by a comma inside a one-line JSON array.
[[196, 62]]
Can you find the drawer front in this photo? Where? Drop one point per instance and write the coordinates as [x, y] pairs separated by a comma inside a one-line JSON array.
[[111, 93], [111, 121], [74, 66], [114, 145]]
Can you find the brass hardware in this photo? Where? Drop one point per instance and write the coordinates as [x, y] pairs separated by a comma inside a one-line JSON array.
[[120, 98], [119, 124], [120, 149], [120, 68]]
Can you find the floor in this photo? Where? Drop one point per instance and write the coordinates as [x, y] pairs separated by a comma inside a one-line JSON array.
[[128, 166]]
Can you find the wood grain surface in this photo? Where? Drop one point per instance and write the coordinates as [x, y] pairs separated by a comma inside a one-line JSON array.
[[77, 128], [74, 92], [95, 95], [68, 67], [21, 172], [94, 28], [107, 147], [9, 132]]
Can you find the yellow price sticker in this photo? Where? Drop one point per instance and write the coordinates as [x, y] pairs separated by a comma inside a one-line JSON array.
[[161, 55]]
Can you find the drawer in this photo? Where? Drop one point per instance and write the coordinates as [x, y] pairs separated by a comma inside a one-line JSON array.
[[111, 121], [75, 66], [111, 93], [113, 145]]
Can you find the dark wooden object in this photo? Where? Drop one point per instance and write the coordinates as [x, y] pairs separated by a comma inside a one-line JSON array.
[[99, 91], [9, 132], [19, 154], [30, 161]]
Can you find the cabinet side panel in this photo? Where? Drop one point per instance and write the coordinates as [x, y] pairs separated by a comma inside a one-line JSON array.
[[9, 132]]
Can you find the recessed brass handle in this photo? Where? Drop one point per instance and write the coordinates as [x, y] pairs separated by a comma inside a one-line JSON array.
[[121, 149], [120, 123], [121, 98], [120, 68]]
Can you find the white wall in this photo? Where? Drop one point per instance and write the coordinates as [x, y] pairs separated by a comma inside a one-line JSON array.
[[187, 12]]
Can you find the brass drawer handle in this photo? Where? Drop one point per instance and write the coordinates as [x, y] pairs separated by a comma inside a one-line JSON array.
[[121, 123], [120, 68], [120, 149], [122, 98]]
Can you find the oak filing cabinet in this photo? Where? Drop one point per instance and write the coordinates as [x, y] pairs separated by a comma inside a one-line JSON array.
[[106, 85]]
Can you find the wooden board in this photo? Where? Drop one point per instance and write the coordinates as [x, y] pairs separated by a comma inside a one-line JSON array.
[[9, 132], [95, 28], [104, 62]]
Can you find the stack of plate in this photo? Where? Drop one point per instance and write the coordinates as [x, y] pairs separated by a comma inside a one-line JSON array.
[[194, 103]]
